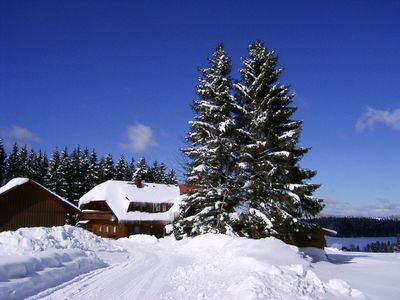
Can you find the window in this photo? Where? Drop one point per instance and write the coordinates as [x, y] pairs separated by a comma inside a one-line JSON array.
[[106, 228], [114, 229]]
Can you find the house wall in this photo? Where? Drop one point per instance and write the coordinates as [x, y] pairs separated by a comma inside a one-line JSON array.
[[29, 206], [103, 223], [106, 229], [117, 229], [155, 228], [311, 238]]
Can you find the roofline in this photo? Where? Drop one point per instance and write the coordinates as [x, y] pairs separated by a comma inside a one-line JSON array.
[[63, 201]]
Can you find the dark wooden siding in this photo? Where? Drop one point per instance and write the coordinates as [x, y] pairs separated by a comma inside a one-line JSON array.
[[117, 229], [310, 238], [96, 205], [30, 206], [155, 228], [97, 215]]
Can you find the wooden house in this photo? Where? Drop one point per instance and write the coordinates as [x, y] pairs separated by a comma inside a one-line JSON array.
[[116, 209], [25, 203], [313, 236]]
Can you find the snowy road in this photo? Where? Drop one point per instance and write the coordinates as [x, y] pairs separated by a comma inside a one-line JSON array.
[[140, 274]]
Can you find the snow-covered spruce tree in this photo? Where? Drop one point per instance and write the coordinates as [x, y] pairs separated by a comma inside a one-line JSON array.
[[3, 157], [170, 178], [75, 176], [162, 173], [122, 170], [23, 169], [42, 167], [12, 164], [142, 170], [92, 177], [33, 164], [64, 174], [131, 169], [274, 189], [53, 179], [210, 153], [107, 168], [83, 172]]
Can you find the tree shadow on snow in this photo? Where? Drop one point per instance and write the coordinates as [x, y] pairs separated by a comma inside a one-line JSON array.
[[340, 259]]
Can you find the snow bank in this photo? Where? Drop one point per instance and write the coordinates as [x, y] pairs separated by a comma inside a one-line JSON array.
[[24, 275], [34, 259], [226, 267], [36, 239], [141, 239]]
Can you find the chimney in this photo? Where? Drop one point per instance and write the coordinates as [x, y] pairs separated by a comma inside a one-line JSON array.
[[138, 182]]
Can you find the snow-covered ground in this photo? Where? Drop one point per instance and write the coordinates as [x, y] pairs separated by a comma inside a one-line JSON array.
[[205, 267], [34, 259]]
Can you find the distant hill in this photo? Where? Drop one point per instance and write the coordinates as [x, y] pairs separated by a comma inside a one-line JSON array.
[[359, 226]]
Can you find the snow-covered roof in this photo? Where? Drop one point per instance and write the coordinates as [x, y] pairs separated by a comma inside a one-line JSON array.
[[13, 183], [119, 194]]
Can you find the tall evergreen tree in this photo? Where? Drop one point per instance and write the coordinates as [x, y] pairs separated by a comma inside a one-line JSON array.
[[211, 159], [23, 168], [3, 157], [107, 168], [142, 170], [53, 178], [162, 173], [42, 167], [274, 187], [12, 165], [122, 170], [33, 166], [93, 174], [131, 169], [154, 173], [171, 178], [64, 172], [75, 176], [84, 170]]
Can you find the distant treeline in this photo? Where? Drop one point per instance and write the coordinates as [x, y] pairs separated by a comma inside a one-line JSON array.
[[71, 174], [373, 247], [359, 227]]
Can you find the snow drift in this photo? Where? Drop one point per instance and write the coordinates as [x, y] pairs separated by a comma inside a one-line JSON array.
[[33, 259], [227, 267]]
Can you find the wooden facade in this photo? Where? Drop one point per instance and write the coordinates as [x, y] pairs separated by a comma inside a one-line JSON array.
[[31, 205]]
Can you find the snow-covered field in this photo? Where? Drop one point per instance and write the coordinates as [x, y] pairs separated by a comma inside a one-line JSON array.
[[71, 263]]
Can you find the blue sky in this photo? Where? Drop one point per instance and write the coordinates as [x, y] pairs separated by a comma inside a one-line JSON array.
[[119, 76]]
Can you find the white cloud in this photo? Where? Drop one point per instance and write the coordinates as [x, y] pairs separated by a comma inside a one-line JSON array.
[[140, 138], [373, 116], [18, 134]]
